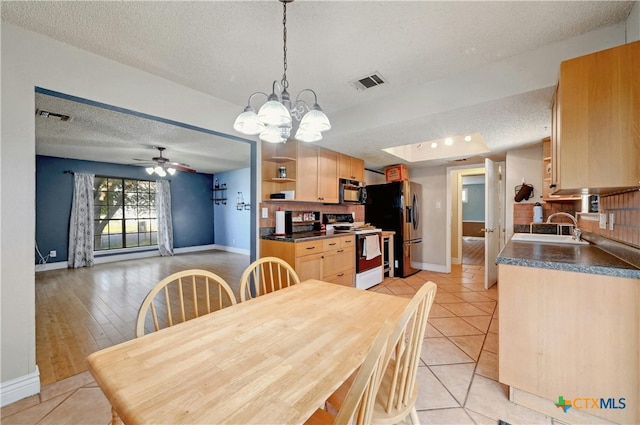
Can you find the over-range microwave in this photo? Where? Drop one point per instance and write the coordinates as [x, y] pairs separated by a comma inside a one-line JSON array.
[[352, 192]]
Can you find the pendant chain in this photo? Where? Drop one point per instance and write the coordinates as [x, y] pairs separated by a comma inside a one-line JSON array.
[[284, 81]]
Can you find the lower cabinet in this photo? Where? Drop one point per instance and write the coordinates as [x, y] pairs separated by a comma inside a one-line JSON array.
[[570, 334], [330, 259]]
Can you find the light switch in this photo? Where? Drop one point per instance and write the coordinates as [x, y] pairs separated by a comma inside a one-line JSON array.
[[438, 204], [611, 221], [603, 221], [265, 213]]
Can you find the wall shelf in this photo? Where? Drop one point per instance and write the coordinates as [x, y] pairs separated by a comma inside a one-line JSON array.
[[220, 194]]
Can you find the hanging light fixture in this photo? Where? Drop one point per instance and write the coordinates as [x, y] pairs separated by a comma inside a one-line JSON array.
[[160, 170], [274, 122]]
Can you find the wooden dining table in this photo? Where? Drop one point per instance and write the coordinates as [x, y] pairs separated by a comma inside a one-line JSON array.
[[272, 360]]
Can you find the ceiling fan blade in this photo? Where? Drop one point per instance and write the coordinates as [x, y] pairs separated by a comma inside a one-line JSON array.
[[181, 167]]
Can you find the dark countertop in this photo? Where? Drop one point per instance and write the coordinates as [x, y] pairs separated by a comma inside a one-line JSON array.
[[575, 258], [306, 236]]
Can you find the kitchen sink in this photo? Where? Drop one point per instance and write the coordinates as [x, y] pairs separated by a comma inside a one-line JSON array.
[[547, 238]]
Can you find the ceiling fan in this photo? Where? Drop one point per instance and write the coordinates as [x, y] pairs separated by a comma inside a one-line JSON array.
[[161, 165]]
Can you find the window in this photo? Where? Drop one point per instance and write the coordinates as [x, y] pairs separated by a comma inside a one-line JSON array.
[[125, 213], [465, 195]]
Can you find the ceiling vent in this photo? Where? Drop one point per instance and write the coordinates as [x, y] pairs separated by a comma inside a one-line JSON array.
[[369, 81], [47, 114]]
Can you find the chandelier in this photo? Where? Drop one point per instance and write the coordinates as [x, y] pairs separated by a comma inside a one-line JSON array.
[[273, 122]]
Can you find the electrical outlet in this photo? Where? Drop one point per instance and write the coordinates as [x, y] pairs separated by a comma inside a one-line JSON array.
[[53, 253], [603, 221], [611, 221], [265, 213]]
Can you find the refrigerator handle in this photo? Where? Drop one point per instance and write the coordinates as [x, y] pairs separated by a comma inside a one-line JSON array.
[[409, 215]]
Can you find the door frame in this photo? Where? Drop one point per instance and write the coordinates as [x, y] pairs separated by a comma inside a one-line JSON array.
[[469, 169]]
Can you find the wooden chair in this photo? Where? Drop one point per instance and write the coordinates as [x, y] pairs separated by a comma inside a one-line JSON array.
[[185, 295], [266, 275], [396, 398], [197, 284], [359, 400]]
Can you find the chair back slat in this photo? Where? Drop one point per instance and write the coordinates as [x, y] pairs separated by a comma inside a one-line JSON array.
[[182, 301], [408, 337], [266, 275]]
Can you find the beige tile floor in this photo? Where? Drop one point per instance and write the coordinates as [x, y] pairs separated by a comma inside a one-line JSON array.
[[457, 379]]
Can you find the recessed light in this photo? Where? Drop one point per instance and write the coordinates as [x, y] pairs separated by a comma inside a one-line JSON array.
[[434, 145], [448, 141], [467, 138]]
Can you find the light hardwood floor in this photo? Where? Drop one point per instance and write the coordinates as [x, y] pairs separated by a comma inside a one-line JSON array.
[[85, 310]]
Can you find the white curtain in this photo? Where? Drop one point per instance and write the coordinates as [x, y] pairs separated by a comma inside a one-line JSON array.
[[163, 211], [81, 222]]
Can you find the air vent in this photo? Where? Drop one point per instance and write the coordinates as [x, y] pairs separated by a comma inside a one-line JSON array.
[[47, 114], [369, 81], [460, 160]]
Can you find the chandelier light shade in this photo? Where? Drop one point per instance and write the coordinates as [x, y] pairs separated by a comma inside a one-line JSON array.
[[160, 171], [275, 118]]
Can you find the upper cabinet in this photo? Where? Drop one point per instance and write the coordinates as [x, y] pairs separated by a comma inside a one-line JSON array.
[[596, 122], [311, 172], [547, 174], [351, 168]]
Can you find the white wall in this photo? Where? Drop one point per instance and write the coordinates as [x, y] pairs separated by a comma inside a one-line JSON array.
[[30, 60], [522, 164], [434, 216], [633, 24]]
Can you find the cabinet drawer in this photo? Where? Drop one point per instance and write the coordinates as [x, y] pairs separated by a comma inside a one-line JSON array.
[[339, 242], [311, 247], [344, 278]]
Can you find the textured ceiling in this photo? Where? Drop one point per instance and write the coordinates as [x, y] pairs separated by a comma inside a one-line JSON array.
[[452, 67]]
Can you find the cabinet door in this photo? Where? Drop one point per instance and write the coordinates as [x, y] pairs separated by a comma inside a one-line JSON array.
[[336, 261], [599, 120], [307, 178], [357, 169], [309, 267], [328, 176]]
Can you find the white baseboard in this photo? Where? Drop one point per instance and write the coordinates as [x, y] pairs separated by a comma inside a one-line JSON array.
[[232, 249], [19, 388], [441, 268], [456, 260], [142, 254]]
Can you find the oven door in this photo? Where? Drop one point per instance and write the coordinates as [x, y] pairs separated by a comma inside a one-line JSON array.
[[362, 264]]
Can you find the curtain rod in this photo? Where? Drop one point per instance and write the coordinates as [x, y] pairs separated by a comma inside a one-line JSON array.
[[115, 177]]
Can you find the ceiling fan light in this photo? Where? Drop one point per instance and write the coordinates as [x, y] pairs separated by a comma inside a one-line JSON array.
[[274, 113], [171, 171], [149, 170], [158, 170], [315, 121], [305, 136], [272, 134], [248, 123]]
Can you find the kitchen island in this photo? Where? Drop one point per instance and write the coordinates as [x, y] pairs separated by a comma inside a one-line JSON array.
[[569, 331]]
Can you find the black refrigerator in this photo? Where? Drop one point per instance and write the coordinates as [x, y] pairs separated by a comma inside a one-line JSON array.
[[396, 206]]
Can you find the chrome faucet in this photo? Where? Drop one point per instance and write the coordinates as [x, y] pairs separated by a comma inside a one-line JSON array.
[[577, 233]]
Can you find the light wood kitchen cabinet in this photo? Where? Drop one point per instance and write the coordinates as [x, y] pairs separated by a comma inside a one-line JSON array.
[[338, 260], [331, 259], [318, 179], [569, 334], [596, 133], [351, 168], [275, 156], [547, 176]]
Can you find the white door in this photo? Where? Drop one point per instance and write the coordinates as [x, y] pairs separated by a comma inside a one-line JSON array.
[[491, 222]]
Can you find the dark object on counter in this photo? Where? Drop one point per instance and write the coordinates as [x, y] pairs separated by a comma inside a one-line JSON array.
[[523, 192], [396, 206], [277, 196]]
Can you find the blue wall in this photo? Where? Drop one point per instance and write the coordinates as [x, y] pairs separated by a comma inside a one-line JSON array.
[[474, 209], [193, 223], [232, 226]]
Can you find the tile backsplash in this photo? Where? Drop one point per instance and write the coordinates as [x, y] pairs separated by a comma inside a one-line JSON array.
[[306, 206], [625, 208]]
